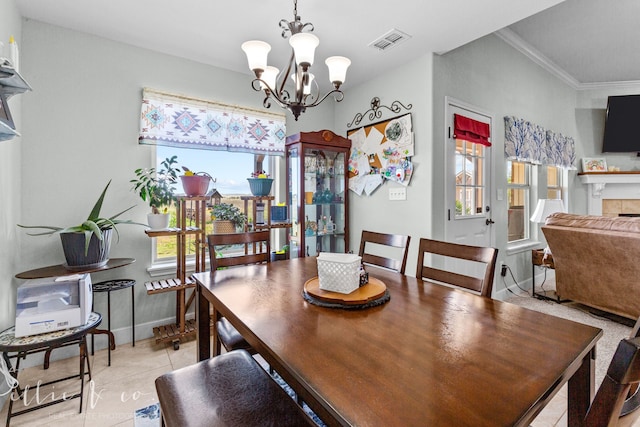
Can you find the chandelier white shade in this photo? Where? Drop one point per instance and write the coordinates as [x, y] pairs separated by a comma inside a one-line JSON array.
[[337, 68], [305, 91], [304, 47], [257, 52], [269, 76]]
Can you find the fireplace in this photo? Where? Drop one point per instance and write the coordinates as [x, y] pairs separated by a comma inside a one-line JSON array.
[[612, 193], [620, 207]]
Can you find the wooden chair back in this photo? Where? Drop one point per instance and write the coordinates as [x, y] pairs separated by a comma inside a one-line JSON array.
[[629, 412], [609, 406], [257, 248], [393, 240], [486, 255]]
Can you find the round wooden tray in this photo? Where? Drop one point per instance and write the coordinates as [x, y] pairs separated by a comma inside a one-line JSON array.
[[372, 294]]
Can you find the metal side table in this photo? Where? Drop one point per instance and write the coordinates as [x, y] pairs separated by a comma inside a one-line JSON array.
[[109, 286], [18, 348]]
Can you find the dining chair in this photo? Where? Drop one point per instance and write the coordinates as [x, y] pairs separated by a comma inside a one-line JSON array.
[[611, 407], [257, 249], [483, 284], [632, 401], [372, 239], [258, 240], [231, 389]]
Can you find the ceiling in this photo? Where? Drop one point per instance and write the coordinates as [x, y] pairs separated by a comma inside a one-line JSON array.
[[595, 42], [575, 35]]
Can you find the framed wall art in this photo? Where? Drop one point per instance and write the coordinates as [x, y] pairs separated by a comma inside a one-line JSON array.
[[594, 164], [381, 152]]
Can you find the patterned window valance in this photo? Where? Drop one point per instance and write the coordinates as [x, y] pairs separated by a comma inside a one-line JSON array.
[[561, 150], [187, 122], [527, 142]]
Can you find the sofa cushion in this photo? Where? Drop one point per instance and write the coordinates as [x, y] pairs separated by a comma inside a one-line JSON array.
[[621, 223]]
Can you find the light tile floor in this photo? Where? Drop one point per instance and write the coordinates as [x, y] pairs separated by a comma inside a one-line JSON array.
[[113, 395], [128, 384]]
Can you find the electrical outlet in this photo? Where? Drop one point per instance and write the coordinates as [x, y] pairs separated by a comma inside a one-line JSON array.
[[503, 270], [399, 193]]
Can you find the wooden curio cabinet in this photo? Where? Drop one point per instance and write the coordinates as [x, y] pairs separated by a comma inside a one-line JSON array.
[[317, 192]]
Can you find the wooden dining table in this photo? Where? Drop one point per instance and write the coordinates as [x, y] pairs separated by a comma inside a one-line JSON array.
[[430, 356]]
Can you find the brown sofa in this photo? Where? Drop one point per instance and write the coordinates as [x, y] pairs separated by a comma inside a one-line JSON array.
[[597, 261]]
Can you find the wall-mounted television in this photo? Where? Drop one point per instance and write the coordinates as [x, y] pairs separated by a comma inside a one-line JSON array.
[[621, 133]]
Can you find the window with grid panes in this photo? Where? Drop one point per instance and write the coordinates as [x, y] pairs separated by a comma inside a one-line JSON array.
[[518, 188], [230, 169], [470, 185], [554, 182]]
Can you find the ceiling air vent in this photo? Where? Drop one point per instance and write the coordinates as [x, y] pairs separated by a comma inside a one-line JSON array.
[[390, 39]]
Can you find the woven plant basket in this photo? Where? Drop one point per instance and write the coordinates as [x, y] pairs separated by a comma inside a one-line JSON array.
[[223, 227]]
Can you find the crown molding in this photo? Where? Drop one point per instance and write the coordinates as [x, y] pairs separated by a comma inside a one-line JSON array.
[[629, 84], [536, 56], [539, 58]]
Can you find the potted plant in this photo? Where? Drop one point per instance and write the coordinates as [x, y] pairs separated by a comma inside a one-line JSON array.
[[260, 183], [195, 183], [281, 254], [227, 218], [87, 245], [157, 188]]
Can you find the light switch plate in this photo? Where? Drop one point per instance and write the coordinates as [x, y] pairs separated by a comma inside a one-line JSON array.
[[399, 193]]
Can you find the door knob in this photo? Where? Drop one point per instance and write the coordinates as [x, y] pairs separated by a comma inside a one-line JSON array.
[[489, 221]]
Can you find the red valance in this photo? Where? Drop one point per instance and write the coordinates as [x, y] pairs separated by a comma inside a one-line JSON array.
[[471, 130]]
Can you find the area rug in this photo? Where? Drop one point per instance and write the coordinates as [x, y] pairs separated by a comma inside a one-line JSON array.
[[292, 393], [148, 416], [614, 328]]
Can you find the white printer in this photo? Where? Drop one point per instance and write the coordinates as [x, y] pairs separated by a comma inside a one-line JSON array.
[[53, 303]]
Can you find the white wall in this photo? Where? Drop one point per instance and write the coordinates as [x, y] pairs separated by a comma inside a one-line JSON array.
[[493, 76], [409, 84], [80, 130], [10, 194]]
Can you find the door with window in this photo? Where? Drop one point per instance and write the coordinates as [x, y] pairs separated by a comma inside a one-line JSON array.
[[468, 176]]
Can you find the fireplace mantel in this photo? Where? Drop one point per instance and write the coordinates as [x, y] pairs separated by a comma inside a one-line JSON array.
[[610, 185]]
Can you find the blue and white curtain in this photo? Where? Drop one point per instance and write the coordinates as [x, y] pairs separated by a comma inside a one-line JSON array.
[[187, 122], [561, 150], [528, 142]]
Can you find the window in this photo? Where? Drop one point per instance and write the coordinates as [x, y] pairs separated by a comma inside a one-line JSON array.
[[518, 187], [469, 178], [229, 169], [554, 182]]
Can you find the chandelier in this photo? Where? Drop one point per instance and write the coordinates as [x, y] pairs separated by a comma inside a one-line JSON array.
[[305, 92]]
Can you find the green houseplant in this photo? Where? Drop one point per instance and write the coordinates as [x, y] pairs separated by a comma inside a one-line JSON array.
[[227, 218], [157, 188], [86, 244]]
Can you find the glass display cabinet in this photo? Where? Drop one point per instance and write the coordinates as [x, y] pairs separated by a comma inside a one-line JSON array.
[[317, 192]]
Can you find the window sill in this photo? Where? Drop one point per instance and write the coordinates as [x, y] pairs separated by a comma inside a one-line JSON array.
[[522, 246], [168, 268]]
